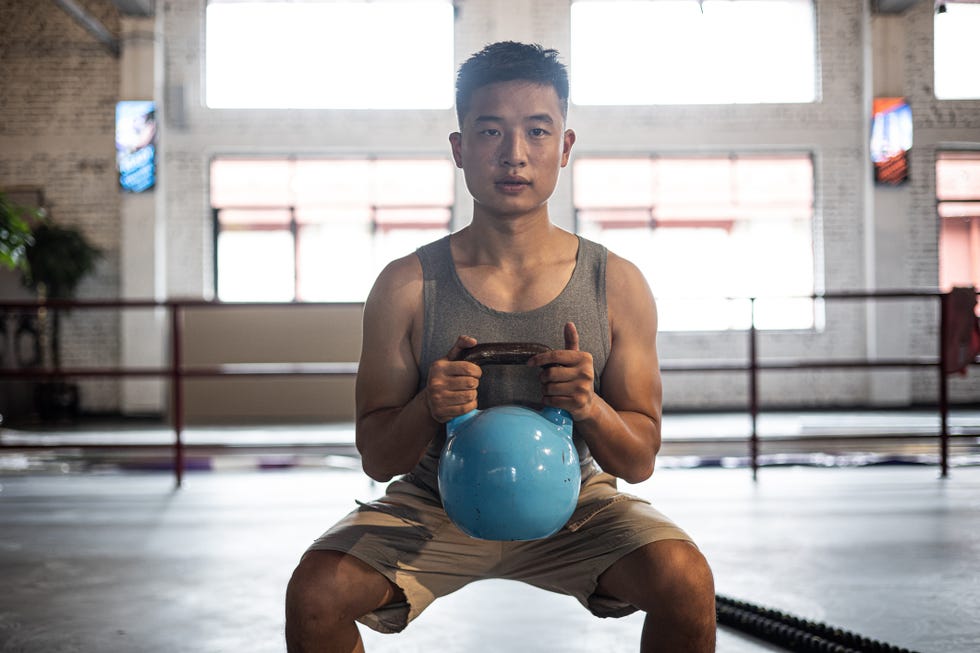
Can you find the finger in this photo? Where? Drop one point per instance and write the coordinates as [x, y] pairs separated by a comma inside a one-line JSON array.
[[446, 371], [462, 343], [461, 382], [561, 357], [571, 336], [558, 373]]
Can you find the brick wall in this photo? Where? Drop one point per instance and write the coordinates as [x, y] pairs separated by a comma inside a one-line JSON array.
[[57, 112]]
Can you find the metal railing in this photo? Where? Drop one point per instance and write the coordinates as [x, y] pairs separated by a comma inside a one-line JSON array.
[[176, 371]]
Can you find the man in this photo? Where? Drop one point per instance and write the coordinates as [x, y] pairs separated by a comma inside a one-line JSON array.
[[511, 275]]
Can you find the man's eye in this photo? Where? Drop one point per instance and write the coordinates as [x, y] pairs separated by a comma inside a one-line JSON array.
[[491, 132], [537, 131]]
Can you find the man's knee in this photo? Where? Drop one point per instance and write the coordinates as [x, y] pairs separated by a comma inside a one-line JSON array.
[[670, 574], [311, 589], [683, 579], [687, 570], [682, 600], [331, 586]]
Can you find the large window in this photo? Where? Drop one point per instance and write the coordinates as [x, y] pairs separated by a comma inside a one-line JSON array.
[[329, 55], [958, 195], [708, 232], [321, 229], [690, 52], [957, 51]]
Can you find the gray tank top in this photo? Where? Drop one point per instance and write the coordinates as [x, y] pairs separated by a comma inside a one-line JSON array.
[[450, 311]]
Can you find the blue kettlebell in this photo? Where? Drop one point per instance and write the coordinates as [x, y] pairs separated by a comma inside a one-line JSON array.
[[509, 472]]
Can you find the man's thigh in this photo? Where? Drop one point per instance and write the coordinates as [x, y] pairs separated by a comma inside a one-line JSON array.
[[607, 526], [406, 537], [655, 571], [348, 585]]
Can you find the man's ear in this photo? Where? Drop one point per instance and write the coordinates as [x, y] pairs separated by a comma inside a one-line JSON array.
[[455, 139], [566, 149]]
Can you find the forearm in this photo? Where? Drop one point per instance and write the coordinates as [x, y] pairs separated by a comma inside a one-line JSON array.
[[391, 441], [624, 443]]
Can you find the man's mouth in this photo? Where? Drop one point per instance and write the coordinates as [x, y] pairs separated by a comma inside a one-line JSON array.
[[512, 183]]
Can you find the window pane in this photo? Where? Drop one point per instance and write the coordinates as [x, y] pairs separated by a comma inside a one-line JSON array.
[[253, 218], [719, 51], [412, 219], [957, 51], [722, 227], [352, 216], [616, 218], [255, 266], [958, 176], [342, 216], [959, 209], [413, 183], [330, 55], [336, 183], [784, 182], [959, 253], [694, 188], [607, 183], [958, 195], [250, 182], [335, 263], [394, 243]]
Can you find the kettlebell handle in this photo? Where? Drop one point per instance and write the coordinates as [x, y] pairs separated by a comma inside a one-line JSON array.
[[502, 353]]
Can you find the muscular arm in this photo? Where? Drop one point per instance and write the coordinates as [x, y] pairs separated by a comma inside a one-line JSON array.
[[622, 427], [395, 422]]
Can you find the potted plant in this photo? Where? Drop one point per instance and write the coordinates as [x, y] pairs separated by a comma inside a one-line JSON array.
[[15, 232], [58, 259], [19, 338]]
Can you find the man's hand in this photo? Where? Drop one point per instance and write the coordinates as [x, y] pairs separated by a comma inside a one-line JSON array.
[[452, 385], [568, 377]]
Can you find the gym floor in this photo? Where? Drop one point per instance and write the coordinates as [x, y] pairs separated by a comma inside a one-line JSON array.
[[108, 560]]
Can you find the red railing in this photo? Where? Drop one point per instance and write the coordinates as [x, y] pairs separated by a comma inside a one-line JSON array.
[[176, 371]]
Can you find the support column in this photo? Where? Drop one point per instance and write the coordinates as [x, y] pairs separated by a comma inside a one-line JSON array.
[[142, 247], [887, 228]]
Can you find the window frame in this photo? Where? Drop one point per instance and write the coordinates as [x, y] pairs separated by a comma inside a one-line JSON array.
[[715, 222], [941, 84], [378, 50], [689, 97], [295, 227], [962, 208]]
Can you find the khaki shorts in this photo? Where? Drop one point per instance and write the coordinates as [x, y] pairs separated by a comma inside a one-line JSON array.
[[408, 538]]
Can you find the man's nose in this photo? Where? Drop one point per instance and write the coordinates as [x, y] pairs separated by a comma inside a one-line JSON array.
[[513, 151]]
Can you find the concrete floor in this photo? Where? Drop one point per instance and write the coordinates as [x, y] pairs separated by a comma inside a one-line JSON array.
[[121, 561]]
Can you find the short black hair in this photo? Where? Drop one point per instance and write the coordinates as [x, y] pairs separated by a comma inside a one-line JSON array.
[[508, 61]]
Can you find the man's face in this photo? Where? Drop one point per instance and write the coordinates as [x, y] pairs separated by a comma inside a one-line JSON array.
[[511, 146]]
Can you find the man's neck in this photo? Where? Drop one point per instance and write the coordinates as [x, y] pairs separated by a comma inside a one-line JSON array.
[[514, 265], [508, 242]]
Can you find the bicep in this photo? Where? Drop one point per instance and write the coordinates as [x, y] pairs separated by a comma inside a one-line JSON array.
[[387, 375], [631, 378]]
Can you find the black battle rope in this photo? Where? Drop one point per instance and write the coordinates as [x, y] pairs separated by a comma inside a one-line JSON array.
[[793, 633]]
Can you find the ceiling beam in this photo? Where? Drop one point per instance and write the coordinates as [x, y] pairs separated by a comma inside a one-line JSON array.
[[91, 24], [143, 8]]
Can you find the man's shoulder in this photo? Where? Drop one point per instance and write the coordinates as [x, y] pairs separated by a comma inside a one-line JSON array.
[[626, 285], [401, 270], [619, 266], [434, 246]]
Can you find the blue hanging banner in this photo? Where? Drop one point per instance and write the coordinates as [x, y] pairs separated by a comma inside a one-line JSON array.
[[136, 133]]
